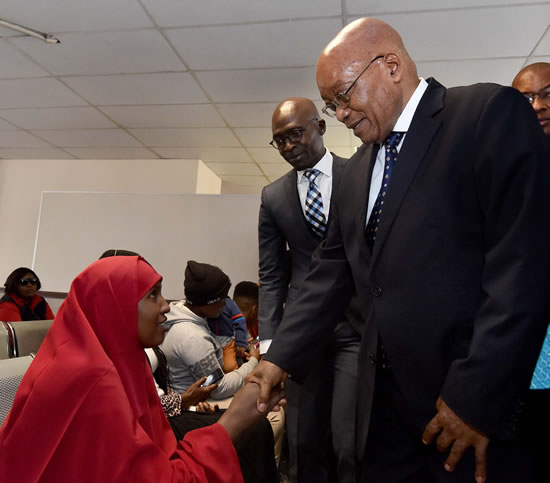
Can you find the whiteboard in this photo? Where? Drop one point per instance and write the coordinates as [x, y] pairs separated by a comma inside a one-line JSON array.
[[75, 228]]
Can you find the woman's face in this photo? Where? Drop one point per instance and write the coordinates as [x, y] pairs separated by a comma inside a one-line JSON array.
[[151, 310], [26, 287]]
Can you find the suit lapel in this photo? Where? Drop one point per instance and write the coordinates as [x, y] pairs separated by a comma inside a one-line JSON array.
[[419, 136]]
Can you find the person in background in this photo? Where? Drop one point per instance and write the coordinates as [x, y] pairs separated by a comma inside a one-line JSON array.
[[230, 329], [191, 349], [246, 296], [20, 301], [295, 212], [533, 82], [89, 394]]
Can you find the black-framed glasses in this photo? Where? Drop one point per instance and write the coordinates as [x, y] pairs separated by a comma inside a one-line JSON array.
[[543, 95], [27, 281], [342, 100], [294, 136]]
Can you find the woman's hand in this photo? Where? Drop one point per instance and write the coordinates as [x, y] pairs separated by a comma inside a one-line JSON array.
[[204, 407], [195, 393]]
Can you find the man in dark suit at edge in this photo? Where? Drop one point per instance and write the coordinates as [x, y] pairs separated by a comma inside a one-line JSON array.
[[439, 224], [295, 211]]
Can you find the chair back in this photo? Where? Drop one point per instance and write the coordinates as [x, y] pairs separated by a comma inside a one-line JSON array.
[[11, 373], [28, 335], [5, 344]]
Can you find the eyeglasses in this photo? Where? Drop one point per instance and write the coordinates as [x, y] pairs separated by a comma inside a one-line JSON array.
[[294, 136], [27, 281], [342, 100], [543, 95]]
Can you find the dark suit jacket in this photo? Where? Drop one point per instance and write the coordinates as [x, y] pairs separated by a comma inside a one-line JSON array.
[[282, 222], [456, 280]]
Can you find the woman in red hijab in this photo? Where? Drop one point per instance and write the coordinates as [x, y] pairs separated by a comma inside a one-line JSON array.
[[87, 408]]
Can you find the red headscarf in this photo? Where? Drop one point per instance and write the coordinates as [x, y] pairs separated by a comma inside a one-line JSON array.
[[87, 408]]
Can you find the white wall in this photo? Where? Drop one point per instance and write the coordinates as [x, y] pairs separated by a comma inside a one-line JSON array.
[[22, 182]]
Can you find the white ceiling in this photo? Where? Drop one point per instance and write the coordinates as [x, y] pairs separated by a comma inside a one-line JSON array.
[[200, 79]]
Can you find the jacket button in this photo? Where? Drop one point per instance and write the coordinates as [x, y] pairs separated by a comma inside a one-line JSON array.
[[377, 291]]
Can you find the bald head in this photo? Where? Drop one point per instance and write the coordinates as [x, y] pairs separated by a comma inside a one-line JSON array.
[[298, 132], [382, 89], [533, 82]]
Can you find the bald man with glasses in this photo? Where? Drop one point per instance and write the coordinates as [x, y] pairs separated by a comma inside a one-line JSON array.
[[295, 213], [440, 225]]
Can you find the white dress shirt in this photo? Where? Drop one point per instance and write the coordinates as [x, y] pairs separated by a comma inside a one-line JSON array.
[[402, 125]]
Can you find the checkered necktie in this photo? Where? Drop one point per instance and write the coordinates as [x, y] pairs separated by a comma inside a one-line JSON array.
[[314, 204], [541, 377], [391, 157]]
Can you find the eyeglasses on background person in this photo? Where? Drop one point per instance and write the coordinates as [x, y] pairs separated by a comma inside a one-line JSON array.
[[294, 136], [27, 281]]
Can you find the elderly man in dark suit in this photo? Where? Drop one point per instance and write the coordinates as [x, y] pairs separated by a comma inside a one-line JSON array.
[[439, 224], [294, 213]]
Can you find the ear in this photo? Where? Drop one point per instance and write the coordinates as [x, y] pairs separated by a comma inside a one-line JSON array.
[[393, 64], [322, 126]]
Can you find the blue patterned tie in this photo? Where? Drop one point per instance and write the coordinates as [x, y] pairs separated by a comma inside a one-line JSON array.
[[391, 157], [541, 377], [314, 204]]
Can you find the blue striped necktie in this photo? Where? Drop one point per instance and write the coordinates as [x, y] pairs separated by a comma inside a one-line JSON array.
[[541, 377], [391, 157], [314, 205]]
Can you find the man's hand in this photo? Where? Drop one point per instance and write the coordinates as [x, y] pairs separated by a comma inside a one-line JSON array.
[[455, 433], [194, 394], [241, 352], [269, 377]]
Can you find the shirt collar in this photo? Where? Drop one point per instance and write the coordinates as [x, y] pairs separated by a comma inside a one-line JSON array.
[[405, 119], [324, 165]]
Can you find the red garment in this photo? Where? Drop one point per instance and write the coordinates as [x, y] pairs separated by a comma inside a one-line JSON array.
[[9, 311], [87, 408]]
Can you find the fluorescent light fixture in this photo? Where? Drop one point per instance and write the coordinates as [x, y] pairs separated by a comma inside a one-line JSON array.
[[48, 38]]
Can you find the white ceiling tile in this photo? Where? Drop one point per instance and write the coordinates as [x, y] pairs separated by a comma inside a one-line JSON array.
[[170, 13], [543, 48], [471, 33], [246, 180], [43, 92], [192, 115], [207, 154], [5, 125], [361, 7], [106, 53], [259, 85], [34, 153], [57, 118], [245, 169], [337, 136], [265, 155], [75, 15], [283, 44], [112, 153], [88, 137], [532, 60], [20, 139], [255, 114], [187, 137], [254, 136], [465, 72], [160, 88], [15, 64]]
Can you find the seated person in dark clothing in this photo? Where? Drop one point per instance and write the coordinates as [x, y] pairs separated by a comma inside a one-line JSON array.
[[230, 329], [21, 302], [246, 296]]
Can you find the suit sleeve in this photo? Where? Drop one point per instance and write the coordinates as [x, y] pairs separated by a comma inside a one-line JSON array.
[[511, 176], [309, 321], [272, 271]]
